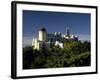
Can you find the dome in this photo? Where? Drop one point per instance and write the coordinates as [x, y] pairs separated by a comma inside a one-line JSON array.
[[42, 29]]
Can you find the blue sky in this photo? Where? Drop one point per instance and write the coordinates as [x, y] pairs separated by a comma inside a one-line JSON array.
[[78, 23]]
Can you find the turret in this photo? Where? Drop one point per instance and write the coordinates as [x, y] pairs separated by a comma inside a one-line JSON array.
[[67, 32], [42, 34]]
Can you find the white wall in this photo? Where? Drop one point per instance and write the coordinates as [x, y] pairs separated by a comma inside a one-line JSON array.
[[5, 40]]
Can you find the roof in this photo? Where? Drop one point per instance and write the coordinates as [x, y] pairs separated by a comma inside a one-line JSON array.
[[42, 29]]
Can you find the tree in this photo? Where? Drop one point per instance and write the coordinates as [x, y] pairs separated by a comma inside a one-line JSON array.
[[74, 53], [27, 57]]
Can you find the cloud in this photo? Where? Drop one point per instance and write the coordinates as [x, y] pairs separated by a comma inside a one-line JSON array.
[[84, 37], [27, 41]]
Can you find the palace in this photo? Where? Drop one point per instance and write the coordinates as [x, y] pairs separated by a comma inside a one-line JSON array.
[[47, 40]]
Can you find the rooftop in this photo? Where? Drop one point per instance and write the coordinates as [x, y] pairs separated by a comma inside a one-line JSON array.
[[42, 29]]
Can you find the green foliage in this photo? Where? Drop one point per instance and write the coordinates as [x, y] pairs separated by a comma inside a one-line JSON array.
[[74, 54], [27, 57]]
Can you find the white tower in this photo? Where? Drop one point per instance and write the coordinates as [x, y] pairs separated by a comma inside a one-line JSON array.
[[42, 34]]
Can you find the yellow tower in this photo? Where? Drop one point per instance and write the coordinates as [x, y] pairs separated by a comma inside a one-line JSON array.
[[42, 34]]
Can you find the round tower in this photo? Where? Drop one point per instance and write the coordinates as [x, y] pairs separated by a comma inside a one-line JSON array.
[[42, 34]]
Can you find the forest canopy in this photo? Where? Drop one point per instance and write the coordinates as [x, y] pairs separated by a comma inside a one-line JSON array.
[[74, 54]]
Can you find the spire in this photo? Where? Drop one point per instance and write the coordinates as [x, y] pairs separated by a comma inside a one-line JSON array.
[[67, 31]]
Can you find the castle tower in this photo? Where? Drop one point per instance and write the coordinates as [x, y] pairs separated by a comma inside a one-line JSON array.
[[42, 34], [67, 31]]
